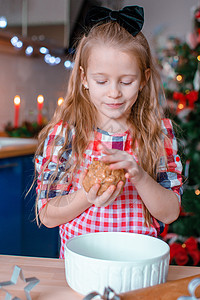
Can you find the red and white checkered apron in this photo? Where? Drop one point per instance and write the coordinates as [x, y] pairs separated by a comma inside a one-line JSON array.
[[125, 214]]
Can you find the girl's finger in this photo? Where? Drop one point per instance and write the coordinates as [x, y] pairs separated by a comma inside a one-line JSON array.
[[104, 149], [118, 189], [126, 165], [116, 156], [101, 200], [115, 194], [92, 194]]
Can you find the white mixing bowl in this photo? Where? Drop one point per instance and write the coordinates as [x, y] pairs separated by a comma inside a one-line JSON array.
[[120, 260]]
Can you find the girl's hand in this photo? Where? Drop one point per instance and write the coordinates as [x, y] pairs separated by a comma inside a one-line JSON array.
[[106, 198], [122, 160]]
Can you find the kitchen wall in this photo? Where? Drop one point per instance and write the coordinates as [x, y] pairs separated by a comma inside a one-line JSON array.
[[29, 77]]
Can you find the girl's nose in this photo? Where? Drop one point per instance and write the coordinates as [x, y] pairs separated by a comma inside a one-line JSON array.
[[114, 91]]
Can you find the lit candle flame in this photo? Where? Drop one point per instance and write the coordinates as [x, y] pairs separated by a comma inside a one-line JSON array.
[[40, 99], [40, 102], [60, 101], [17, 100]]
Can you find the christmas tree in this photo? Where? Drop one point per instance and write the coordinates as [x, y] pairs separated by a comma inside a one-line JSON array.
[[180, 70]]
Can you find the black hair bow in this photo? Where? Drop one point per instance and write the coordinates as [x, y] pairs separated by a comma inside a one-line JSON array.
[[130, 17]]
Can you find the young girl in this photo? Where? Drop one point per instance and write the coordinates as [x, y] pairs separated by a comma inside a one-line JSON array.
[[111, 113]]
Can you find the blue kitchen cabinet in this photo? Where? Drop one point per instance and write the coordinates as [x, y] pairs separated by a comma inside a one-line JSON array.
[[19, 233], [10, 206]]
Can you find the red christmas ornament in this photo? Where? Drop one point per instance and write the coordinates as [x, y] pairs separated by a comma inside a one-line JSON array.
[[191, 244], [178, 96], [192, 96], [182, 259], [181, 252], [192, 249], [185, 101]]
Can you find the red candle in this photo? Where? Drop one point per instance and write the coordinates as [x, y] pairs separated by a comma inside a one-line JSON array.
[[40, 102], [17, 106]]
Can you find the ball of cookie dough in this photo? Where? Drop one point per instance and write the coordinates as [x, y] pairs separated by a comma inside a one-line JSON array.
[[100, 172]]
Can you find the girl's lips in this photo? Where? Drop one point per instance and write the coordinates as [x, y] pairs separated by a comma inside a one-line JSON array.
[[114, 105]]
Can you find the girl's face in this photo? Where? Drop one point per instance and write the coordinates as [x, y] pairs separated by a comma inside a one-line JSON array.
[[113, 78]]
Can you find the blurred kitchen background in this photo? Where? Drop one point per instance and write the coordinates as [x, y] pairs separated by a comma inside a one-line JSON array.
[[36, 48]]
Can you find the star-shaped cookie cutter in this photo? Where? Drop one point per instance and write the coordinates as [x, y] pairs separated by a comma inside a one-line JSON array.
[[17, 272]]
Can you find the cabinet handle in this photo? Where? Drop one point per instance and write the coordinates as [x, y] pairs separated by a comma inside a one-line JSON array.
[[8, 166]]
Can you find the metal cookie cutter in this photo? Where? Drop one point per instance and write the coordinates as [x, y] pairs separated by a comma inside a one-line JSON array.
[[108, 293], [194, 283], [17, 272]]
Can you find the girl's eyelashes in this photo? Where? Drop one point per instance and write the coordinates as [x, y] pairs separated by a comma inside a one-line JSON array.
[[101, 82], [104, 81], [126, 83]]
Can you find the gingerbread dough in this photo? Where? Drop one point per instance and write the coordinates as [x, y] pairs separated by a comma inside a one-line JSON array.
[[99, 172]]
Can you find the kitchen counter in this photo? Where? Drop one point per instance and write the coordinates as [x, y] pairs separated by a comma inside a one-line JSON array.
[[51, 273], [11, 147]]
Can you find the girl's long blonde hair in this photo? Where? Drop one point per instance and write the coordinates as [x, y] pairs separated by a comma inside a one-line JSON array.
[[79, 112]]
